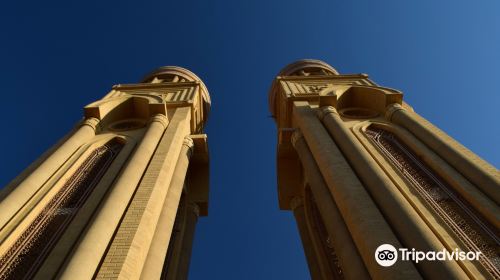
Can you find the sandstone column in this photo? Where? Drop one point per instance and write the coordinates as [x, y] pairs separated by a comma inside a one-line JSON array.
[[109, 200], [478, 171], [349, 258], [297, 205], [90, 250], [174, 250], [410, 228], [33, 182], [158, 249], [358, 210], [192, 214]]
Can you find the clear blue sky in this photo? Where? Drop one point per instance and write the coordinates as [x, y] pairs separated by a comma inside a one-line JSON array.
[[58, 57]]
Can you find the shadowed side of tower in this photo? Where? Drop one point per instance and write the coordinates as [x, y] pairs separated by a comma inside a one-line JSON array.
[[120, 195], [359, 168]]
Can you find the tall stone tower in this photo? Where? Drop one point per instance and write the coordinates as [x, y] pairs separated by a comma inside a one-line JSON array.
[[120, 195], [359, 168]]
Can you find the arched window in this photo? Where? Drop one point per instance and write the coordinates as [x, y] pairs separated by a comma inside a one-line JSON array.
[[25, 256]]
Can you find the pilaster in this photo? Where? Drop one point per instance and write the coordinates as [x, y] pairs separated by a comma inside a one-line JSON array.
[[478, 171], [84, 261], [127, 253], [411, 230], [350, 261], [26, 189], [162, 237], [358, 210], [297, 206]]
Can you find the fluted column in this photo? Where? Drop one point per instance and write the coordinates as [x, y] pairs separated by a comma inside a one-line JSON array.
[[34, 181], [350, 261], [297, 205], [158, 249], [192, 214], [410, 228], [356, 206], [478, 171], [90, 250]]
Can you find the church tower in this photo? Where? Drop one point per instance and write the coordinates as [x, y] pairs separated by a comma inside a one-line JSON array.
[[120, 195], [360, 168]]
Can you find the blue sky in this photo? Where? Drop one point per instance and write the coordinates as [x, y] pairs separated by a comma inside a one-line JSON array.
[[56, 57]]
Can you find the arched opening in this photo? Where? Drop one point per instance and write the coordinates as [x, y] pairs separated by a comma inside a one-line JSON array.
[[461, 218], [26, 255]]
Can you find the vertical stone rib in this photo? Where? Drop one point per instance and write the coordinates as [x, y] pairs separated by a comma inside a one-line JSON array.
[[32, 246], [326, 262], [7, 189], [192, 213], [479, 172], [128, 251], [19, 196], [349, 258], [159, 245], [468, 191], [90, 250], [64, 245], [410, 229], [358, 210], [297, 205], [172, 258]]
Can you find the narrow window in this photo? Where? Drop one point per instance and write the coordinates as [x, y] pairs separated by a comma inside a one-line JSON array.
[[462, 219], [29, 251]]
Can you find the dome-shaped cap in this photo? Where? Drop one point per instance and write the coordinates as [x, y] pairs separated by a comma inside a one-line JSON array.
[[299, 68], [181, 72]]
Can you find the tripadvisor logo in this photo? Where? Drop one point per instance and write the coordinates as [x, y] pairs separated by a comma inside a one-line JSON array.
[[387, 255]]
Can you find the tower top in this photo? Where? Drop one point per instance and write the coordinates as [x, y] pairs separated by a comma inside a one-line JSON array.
[[308, 67], [160, 92], [302, 67], [174, 74]]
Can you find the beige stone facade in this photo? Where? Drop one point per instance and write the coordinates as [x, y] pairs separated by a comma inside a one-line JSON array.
[[359, 168], [120, 195]]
